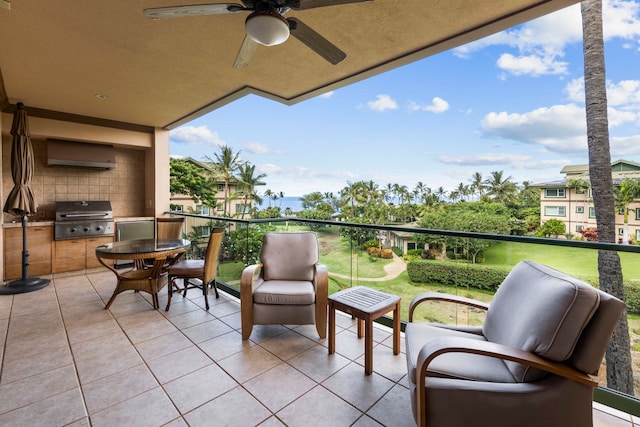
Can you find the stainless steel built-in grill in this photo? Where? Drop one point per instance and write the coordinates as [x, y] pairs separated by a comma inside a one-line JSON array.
[[83, 219]]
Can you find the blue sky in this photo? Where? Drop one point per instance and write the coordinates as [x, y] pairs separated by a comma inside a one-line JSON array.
[[512, 102]]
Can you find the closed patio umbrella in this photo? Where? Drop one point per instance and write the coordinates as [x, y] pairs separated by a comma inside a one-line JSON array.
[[21, 201]]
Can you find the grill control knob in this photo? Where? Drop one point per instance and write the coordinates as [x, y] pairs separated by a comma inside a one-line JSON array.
[[73, 230], [86, 229], [99, 228]]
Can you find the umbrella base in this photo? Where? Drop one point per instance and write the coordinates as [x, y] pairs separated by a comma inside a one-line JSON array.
[[21, 286]]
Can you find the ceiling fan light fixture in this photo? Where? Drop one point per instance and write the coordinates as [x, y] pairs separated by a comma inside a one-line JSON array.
[[268, 28]]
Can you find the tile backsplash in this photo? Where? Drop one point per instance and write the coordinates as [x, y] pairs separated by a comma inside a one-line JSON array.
[[123, 186]]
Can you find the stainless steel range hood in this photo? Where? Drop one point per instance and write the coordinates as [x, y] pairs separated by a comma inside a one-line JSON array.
[[80, 154]]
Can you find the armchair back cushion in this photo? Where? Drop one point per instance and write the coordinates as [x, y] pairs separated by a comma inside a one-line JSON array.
[[590, 349], [542, 310], [289, 256]]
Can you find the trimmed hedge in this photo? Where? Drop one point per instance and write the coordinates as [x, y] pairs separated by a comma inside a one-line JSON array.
[[632, 297], [457, 274], [487, 278]]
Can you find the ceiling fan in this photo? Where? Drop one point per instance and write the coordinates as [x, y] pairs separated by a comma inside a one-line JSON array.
[[265, 25]]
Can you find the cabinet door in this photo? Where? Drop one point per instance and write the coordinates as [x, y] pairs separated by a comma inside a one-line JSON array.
[[39, 244], [70, 255], [92, 242]]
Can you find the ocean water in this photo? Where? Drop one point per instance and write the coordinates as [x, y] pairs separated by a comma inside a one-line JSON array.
[[284, 203]]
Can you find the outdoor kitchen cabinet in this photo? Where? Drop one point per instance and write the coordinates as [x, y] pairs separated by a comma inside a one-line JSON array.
[[78, 254], [39, 245]]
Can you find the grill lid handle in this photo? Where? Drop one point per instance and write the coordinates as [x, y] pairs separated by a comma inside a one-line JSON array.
[[83, 215]]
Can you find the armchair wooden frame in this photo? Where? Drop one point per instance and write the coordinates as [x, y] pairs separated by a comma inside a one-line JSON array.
[[321, 285]]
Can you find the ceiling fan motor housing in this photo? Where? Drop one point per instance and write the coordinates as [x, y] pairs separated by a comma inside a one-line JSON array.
[[267, 27]]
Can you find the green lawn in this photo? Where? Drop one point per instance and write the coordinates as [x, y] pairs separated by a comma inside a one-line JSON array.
[[582, 263]]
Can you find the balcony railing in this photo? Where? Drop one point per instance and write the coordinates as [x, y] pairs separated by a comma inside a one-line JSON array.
[[351, 264]]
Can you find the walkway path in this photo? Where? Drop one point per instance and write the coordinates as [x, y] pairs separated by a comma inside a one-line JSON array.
[[393, 270]]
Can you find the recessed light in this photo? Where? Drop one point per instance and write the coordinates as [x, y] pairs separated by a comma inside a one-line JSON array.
[[101, 96]]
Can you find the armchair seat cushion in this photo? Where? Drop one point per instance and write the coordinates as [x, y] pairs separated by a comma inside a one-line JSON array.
[[285, 292], [462, 366]]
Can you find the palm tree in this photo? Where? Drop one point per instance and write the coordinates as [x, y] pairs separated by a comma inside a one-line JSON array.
[[624, 195], [477, 184], [247, 184], [499, 188], [618, 354], [268, 193], [225, 165], [423, 192], [351, 195]]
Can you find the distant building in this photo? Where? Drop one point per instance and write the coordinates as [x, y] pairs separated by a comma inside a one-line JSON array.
[[572, 203], [237, 202]]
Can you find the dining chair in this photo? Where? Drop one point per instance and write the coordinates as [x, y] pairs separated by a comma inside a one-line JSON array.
[[198, 273], [169, 227]]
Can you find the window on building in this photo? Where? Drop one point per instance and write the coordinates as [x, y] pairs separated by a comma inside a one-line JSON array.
[[554, 192], [219, 208], [637, 214], [202, 210], [592, 212], [176, 208], [621, 211], [202, 230], [580, 191], [239, 207], [554, 210], [579, 209], [220, 187], [638, 235], [579, 228]]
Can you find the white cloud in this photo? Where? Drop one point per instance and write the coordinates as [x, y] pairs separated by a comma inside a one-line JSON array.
[[625, 146], [621, 19], [257, 148], [485, 159], [540, 43], [382, 103], [549, 33], [533, 65], [438, 105], [560, 128], [195, 135], [625, 94]]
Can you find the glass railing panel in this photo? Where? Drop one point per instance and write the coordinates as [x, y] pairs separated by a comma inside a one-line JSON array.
[[354, 256]]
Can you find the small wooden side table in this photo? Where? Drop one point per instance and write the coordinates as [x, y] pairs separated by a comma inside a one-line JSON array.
[[366, 305]]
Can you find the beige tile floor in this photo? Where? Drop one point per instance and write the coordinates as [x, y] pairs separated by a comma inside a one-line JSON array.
[[67, 361]]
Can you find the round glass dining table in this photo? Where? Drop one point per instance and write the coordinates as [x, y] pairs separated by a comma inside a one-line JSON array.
[[151, 261]]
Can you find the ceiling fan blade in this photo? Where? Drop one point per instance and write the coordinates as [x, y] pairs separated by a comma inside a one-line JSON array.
[[193, 10], [315, 41], [311, 4], [246, 52]]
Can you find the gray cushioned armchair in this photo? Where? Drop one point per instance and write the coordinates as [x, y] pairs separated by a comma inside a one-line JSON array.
[[530, 364], [288, 287]]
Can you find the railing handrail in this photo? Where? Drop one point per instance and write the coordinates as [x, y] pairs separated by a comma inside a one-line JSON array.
[[618, 247]]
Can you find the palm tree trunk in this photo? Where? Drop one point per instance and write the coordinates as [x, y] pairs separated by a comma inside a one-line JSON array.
[[618, 354]]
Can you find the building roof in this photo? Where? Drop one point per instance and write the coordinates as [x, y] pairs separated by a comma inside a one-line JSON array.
[[620, 170]]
